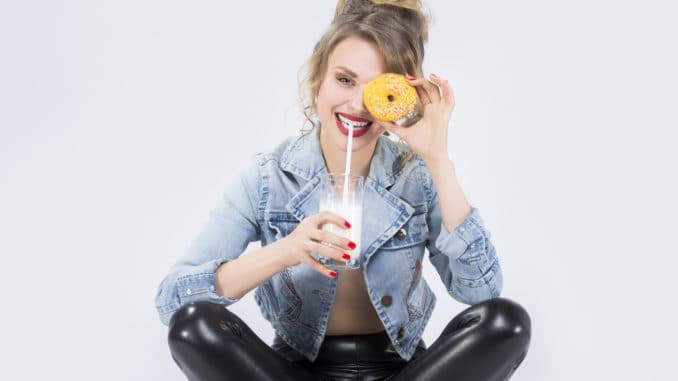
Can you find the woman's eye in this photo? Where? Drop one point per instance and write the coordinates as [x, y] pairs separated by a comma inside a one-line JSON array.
[[344, 80]]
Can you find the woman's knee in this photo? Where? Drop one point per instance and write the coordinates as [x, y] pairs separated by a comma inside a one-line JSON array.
[[494, 320], [194, 325], [504, 319]]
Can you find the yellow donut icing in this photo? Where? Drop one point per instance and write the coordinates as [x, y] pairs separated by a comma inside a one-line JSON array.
[[389, 97]]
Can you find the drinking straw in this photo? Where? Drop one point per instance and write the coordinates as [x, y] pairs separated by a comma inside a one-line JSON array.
[[347, 170]]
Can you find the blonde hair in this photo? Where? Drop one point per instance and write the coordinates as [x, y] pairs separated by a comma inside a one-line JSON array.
[[399, 29]]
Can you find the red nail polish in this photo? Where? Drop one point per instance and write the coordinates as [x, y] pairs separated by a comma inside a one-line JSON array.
[[410, 76], [351, 245], [348, 226], [333, 274], [346, 256]]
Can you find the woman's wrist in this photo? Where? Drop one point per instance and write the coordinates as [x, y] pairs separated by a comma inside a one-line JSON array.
[[282, 253], [437, 161], [234, 278], [218, 279]]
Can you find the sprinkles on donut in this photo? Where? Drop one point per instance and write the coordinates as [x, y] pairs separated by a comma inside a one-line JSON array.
[[390, 97]]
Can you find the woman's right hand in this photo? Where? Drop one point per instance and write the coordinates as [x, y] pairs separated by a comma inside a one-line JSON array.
[[308, 237]]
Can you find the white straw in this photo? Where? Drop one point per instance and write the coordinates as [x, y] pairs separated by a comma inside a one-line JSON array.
[[347, 168]]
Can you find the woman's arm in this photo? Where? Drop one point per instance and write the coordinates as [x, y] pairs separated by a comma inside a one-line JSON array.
[[454, 208], [471, 271], [460, 247], [231, 226], [214, 269], [236, 278]]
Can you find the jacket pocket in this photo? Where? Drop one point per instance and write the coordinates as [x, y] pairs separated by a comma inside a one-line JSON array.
[[414, 232], [281, 224]]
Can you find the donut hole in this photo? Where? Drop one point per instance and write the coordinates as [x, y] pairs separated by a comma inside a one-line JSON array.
[[390, 98]]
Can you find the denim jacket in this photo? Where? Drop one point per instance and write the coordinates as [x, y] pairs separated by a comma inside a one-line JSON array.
[[403, 218]]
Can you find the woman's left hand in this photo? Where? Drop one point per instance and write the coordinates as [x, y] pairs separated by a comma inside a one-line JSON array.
[[428, 137]]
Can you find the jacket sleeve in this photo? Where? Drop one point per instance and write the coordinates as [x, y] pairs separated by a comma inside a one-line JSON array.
[[230, 227], [465, 258]]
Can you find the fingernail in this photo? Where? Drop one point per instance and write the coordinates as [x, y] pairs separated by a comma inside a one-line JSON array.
[[333, 274], [433, 75], [351, 245], [346, 256], [409, 76], [348, 226]]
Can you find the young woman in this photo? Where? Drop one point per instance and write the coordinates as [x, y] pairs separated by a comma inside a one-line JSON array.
[[363, 324]]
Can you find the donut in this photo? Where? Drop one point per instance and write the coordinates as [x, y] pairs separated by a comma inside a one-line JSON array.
[[389, 97]]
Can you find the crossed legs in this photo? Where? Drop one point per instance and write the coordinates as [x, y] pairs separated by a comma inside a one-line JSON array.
[[486, 341]]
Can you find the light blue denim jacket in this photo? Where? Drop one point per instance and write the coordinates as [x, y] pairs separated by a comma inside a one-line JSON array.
[[402, 218]]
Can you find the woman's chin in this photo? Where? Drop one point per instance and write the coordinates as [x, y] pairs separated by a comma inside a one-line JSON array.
[[340, 141], [357, 145]]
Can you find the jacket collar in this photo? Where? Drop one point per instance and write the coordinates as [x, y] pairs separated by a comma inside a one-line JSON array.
[[303, 158]]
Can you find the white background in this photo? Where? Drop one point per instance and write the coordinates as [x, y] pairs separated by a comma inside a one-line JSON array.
[[122, 121]]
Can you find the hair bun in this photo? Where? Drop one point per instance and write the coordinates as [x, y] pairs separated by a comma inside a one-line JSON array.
[[407, 9], [353, 6]]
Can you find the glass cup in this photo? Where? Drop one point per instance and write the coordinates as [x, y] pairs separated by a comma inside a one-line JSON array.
[[343, 195]]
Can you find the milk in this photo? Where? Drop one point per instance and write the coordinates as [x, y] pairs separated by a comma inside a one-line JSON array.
[[354, 217]]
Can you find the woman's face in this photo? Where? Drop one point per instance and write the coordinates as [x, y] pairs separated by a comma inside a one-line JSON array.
[[352, 64]]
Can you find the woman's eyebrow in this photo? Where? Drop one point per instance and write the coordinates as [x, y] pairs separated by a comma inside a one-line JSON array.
[[348, 71]]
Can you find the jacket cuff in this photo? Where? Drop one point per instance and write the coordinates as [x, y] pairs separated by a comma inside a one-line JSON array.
[[197, 284], [455, 243], [200, 284]]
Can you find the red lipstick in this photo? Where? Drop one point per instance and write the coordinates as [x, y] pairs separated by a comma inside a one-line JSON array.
[[358, 131]]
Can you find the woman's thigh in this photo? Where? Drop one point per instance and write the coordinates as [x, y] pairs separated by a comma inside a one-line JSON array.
[[209, 342], [487, 341]]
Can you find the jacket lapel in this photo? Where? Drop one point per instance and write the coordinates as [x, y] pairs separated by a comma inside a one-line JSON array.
[[390, 214]]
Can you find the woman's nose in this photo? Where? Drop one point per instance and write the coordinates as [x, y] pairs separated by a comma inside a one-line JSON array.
[[357, 105]]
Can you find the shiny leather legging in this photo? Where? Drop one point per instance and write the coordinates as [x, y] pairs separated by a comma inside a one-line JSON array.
[[485, 342]]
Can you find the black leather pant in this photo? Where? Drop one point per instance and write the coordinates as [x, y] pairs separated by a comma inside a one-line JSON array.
[[487, 341]]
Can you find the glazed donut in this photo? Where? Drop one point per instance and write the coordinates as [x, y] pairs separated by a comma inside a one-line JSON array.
[[389, 97]]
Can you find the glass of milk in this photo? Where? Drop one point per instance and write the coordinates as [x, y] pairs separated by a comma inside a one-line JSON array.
[[343, 194]]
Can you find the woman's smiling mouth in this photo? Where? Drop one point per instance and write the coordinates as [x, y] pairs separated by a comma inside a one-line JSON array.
[[360, 125]]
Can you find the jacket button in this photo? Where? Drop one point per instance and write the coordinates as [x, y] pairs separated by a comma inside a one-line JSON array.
[[401, 333], [386, 300], [401, 234]]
